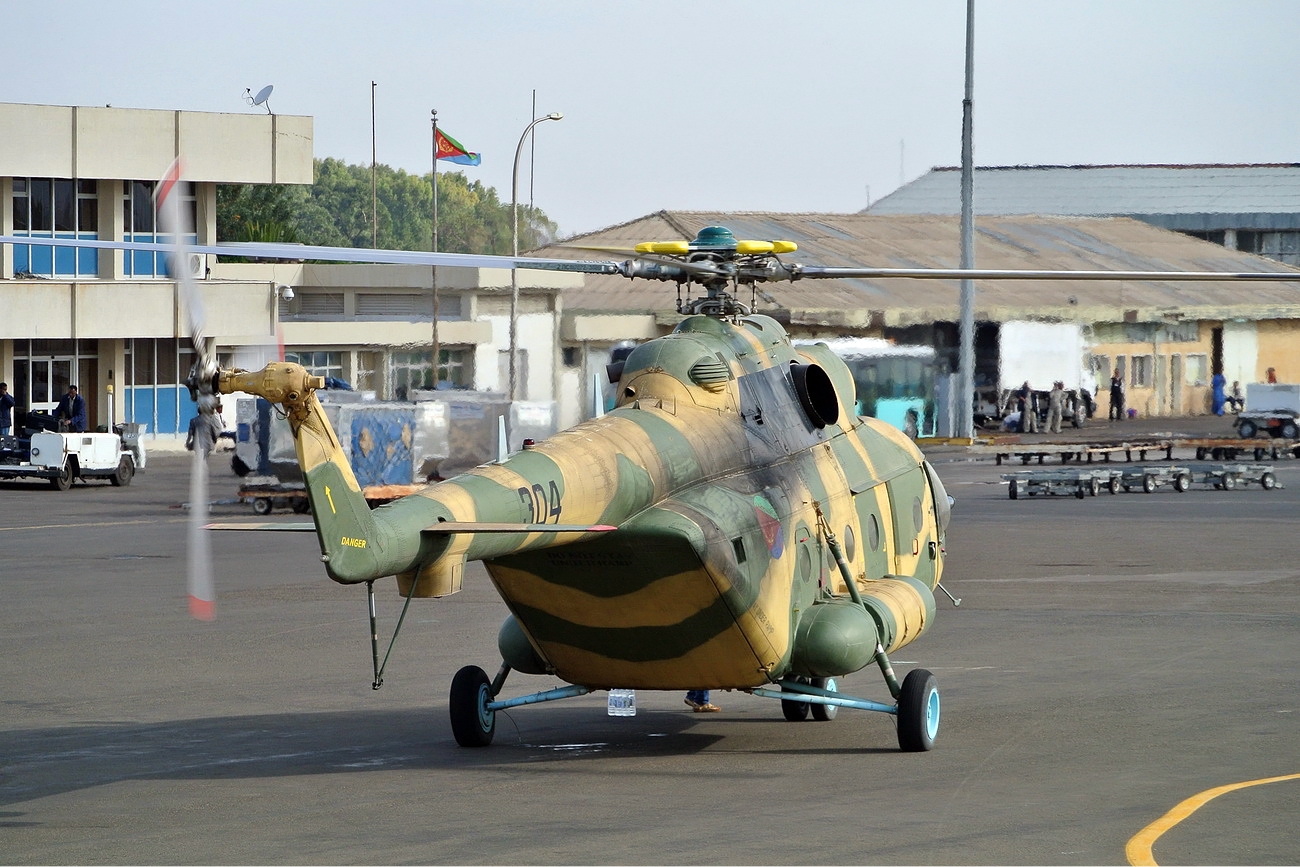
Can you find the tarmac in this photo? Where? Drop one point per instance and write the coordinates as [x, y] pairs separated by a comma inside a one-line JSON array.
[[1112, 657]]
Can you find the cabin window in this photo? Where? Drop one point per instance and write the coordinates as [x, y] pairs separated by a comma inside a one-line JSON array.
[[1141, 370], [738, 545]]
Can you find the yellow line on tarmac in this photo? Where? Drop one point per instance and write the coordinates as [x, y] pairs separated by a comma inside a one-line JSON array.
[[1138, 849], [91, 524]]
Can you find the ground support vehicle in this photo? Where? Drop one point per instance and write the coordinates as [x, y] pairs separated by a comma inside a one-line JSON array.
[[1272, 409], [1228, 477], [1080, 483], [63, 458], [1148, 477], [1228, 449], [1079, 452], [267, 493]]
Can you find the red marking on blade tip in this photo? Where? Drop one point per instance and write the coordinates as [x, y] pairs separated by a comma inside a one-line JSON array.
[[202, 609]]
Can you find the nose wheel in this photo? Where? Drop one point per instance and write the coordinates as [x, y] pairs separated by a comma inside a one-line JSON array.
[[918, 712]]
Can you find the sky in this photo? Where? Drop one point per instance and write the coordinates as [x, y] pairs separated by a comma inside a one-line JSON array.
[[721, 105]]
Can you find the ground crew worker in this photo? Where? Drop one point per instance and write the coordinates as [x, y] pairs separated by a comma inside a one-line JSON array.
[[1028, 412], [1055, 406]]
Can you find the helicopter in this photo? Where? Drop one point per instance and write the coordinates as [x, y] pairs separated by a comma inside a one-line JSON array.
[[730, 524]]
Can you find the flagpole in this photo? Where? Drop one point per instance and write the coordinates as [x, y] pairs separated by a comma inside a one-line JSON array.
[[374, 197], [437, 350]]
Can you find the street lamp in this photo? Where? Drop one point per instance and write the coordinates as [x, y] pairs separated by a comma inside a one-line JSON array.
[[514, 250]]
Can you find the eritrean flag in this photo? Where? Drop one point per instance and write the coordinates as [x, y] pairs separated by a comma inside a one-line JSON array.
[[450, 149]]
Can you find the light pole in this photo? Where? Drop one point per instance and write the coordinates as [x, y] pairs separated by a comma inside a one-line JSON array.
[[514, 250]]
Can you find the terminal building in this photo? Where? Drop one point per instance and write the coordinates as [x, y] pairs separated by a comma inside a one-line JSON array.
[[112, 322]]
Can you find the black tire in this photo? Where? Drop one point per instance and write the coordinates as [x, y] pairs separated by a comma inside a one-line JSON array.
[[1094, 486], [1113, 485], [794, 711], [1229, 481], [301, 505], [471, 722], [1247, 429], [1012, 489], [239, 468], [262, 506], [1216, 453], [1259, 454], [1289, 431], [1079, 491], [825, 712], [63, 480], [1148, 484], [1268, 481], [124, 473], [1182, 482], [1202, 453], [1230, 454], [918, 712]]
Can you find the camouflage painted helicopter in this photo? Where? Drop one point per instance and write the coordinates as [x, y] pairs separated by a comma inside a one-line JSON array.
[[730, 524]]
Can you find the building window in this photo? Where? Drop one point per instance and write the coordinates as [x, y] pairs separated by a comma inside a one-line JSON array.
[[1196, 370], [56, 208], [140, 223], [318, 362], [411, 370], [1284, 246], [1141, 365]]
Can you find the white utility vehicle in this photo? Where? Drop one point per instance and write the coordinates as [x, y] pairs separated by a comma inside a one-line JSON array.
[[65, 457]]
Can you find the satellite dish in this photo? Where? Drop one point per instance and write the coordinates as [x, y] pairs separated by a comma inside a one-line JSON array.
[[261, 98]]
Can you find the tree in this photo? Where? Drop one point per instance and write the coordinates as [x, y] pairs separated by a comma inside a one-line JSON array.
[[336, 211]]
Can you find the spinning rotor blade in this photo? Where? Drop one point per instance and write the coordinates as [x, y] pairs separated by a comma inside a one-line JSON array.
[[815, 272], [202, 591]]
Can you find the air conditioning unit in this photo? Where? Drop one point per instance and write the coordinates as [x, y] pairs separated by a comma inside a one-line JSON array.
[[198, 265]]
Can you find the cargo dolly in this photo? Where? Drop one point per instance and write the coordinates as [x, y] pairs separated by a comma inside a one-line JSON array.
[[1228, 477], [1080, 483]]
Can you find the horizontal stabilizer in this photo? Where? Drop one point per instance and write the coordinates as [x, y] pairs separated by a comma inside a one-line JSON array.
[[292, 527], [471, 527]]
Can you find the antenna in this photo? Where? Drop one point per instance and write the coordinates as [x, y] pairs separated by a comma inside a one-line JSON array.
[[261, 98]]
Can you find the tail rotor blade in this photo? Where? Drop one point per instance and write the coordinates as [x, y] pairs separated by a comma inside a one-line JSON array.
[[202, 593]]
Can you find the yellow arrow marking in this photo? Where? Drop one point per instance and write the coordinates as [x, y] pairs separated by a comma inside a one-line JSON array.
[[333, 511], [1138, 849]]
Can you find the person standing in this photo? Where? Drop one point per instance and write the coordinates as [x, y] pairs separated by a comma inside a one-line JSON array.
[[1028, 411], [72, 408], [1117, 396], [205, 430], [1270, 375], [698, 699], [6, 410], [1055, 406], [1218, 383]]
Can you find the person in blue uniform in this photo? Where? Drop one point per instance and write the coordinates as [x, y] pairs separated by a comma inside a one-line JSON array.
[[72, 407]]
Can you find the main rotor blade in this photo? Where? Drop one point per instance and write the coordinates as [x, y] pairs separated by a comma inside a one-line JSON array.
[[336, 254], [816, 272]]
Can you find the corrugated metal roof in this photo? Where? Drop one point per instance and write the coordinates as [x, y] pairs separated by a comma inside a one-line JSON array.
[[1104, 190], [1037, 242]]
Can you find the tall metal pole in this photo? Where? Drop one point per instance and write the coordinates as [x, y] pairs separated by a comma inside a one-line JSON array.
[[374, 197], [966, 363], [433, 270], [514, 250]]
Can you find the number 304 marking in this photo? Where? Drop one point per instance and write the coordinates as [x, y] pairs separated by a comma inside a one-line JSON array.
[[542, 503]]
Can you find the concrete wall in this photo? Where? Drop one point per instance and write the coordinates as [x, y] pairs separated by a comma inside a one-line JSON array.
[[51, 141]]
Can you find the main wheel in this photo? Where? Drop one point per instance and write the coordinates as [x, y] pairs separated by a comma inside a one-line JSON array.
[[124, 473], [1247, 429], [471, 722], [63, 480], [1148, 483], [262, 506], [1182, 482], [825, 712], [794, 711], [918, 712]]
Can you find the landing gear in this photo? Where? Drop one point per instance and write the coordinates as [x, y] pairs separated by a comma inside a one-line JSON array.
[[918, 712], [794, 711], [825, 712], [471, 721]]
